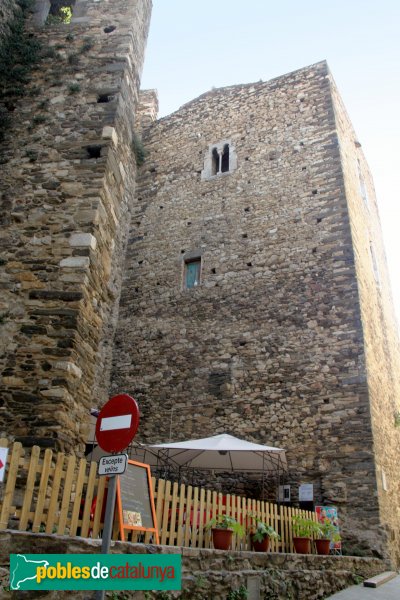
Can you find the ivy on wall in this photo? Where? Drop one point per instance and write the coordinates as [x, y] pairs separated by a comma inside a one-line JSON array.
[[19, 53]]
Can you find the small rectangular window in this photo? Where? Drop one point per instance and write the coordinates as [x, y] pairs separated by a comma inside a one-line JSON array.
[[192, 273]]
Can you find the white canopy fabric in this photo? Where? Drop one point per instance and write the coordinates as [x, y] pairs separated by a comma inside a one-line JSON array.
[[219, 453]]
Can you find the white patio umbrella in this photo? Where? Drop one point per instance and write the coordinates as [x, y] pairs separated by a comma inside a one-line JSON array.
[[219, 453]]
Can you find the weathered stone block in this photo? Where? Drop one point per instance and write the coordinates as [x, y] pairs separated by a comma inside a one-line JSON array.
[[75, 262], [83, 240]]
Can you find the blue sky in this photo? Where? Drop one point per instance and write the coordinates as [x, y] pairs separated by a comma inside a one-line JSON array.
[[197, 44]]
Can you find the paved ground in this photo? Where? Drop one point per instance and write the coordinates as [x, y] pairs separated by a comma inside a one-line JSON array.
[[387, 591]]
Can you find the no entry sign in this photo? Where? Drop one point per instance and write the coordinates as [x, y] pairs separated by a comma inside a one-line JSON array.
[[117, 423]]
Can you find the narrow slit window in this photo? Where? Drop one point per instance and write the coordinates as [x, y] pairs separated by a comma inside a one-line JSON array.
[[192, 273], [225, 159], [214, 162]]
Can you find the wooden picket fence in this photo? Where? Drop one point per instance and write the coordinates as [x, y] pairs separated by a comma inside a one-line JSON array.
[[55, 493]]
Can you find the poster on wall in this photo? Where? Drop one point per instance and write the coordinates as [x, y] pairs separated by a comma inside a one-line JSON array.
[[330, 513]]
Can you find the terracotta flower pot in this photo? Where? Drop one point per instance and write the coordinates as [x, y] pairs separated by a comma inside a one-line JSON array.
[[261, 546], [222, 538], [302, 545], [323, 546]]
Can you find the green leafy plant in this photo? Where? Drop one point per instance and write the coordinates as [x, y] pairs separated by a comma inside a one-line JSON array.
[[200, 581], [239, 594], [397, 419], [226, 522], [327, 531], [19, 54], [262, 530], [38, 120], [74, 88], [63, 16], [88, 43], [138, 150], [305, 528]]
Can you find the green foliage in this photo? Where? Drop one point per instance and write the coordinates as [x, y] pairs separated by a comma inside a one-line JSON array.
[[19, 54], [33, 155], [327, 531], [397, 419], [88, 43], [117, 596], [74, 88], [302, 527], [138, 150], [3, 318], [63, 16], [239, 594], [262, 530], [226, 522], [200, 581], [164, 595]]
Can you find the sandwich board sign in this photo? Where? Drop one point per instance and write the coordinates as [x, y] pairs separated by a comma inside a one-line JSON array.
[[135, 501]]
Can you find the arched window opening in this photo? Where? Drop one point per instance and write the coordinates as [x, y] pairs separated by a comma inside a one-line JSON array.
[[215, 162], [225, 159]]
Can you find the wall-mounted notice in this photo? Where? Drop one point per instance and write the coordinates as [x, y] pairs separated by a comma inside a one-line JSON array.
[[306, 492]]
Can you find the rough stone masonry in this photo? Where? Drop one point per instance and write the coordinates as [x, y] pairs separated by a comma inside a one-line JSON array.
[[255, 298], [68, 180]]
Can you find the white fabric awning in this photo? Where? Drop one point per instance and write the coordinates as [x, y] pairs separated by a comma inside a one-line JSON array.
[[222, 452]]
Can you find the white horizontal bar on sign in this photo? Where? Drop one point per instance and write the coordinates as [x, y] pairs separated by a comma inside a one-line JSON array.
[[120, 422]]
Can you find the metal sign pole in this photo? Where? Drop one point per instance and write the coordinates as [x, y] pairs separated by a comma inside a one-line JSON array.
[[108, 523]]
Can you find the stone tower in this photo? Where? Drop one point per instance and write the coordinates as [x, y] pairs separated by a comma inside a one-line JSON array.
[[256, 298], [68, 181]]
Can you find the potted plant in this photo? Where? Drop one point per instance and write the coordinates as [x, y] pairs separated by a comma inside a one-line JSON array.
[[261, 536], [327, 534], [303, 530], [222, 528]]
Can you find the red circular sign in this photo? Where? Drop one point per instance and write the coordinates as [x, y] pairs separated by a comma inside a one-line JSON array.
[[117, 423]]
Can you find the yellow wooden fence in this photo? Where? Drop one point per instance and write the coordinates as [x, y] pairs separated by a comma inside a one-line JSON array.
[[55, 493]]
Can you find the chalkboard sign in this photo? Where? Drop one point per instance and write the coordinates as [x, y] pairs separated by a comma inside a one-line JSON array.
[[135, 500]]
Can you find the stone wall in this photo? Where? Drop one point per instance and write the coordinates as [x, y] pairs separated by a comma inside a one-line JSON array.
[[210, 574], [382, 353], [68, 181], [7, 12], [270, 345]]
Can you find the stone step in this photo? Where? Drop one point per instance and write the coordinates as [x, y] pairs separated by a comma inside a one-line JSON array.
[[378, 580]]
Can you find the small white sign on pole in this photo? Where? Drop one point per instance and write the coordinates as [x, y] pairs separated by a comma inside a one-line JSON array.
[[113, 465], [3, 462]]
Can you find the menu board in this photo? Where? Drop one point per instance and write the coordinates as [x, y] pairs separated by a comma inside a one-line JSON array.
[[135, 500]]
